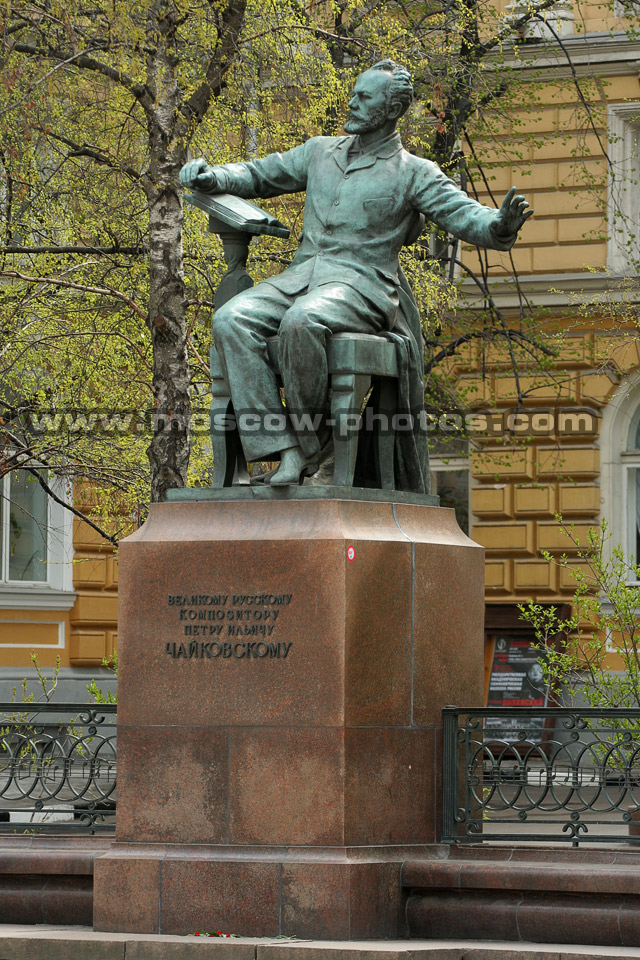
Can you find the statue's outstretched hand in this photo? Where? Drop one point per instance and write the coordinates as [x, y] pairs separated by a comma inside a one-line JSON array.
[[512, 214], [198, 175]]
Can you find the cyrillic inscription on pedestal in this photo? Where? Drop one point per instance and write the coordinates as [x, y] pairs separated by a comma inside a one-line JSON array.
[[220, 619]]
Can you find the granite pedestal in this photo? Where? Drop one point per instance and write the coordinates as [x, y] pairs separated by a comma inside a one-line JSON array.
[[283, 666]]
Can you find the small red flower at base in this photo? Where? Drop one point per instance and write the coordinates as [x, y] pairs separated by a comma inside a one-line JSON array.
[[218, 933]]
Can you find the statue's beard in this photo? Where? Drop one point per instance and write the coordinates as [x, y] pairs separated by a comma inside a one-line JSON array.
[[374, 122]]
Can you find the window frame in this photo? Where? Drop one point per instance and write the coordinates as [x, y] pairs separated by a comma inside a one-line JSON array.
[[624, 154], [619, 418], [56, 591], [5, 536], [458, 462], [630, 461]]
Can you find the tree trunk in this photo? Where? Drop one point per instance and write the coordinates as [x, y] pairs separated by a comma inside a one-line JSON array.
[[168, 451]]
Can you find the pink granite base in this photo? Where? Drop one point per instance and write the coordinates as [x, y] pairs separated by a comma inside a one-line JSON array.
[[333, 894], [283, 666]]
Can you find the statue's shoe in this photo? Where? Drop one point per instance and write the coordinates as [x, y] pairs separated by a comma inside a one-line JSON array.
[[295, 467], [283, 477], [294, 470]]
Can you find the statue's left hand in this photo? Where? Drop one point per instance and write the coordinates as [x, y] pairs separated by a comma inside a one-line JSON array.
[[512, 214]]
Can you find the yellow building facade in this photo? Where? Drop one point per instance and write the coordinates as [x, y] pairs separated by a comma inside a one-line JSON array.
[[564, 445], [61, 603], [562, 439]]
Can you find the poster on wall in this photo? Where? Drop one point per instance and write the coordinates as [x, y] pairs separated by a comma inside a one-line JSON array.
[[516, 680]]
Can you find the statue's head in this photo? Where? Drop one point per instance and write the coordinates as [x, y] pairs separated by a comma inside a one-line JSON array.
[[381, 94]]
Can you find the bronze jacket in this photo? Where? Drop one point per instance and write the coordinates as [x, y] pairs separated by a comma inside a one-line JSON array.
[[358, 214]]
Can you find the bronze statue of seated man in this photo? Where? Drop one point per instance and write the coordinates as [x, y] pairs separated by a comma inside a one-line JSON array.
[[363, 193]]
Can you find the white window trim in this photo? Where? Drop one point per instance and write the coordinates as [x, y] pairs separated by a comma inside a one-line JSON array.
[[622, 9], [623, 205], [630, 461], [56, 592], [38, 646], [615, 462]]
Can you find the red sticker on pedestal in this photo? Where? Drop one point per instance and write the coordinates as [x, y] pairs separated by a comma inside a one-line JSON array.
[[351, 553]]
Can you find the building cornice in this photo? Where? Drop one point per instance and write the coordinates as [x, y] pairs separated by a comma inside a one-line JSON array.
[[612, 53], [32, 598], [559, 290]]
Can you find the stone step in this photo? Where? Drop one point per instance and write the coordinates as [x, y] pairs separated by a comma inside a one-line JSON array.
[[72, 943], [550, 897], [46, 880], [531, 853], [614, 879]]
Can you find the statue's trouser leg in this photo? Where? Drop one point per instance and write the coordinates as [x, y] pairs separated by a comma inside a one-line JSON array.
[[329, 308], [241, 329]]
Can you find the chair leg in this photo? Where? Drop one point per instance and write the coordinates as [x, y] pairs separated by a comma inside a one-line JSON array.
[[240, 472], [386, 439], [229, 465], [348, 393], [224, 441]]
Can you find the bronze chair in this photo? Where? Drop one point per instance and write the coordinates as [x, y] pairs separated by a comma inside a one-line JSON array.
[[357, 363]]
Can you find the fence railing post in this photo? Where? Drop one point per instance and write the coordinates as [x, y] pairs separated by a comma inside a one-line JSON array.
[[449, 773]]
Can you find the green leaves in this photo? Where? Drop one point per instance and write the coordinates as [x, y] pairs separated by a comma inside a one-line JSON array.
[[596, 652]]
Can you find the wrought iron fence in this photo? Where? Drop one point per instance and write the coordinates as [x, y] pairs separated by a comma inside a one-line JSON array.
[[57, 767], [526, 774]]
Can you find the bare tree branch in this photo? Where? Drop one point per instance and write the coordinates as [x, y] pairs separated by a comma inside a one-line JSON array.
[[137, 251], [95, 153], [82, 287], [86, 62], [198, 103], [69, 506]]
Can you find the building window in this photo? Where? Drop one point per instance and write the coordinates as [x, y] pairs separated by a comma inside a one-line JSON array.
[[24, 519], [620, 468], [35, 544], [623, 252], [450, 482], [630, 458]]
